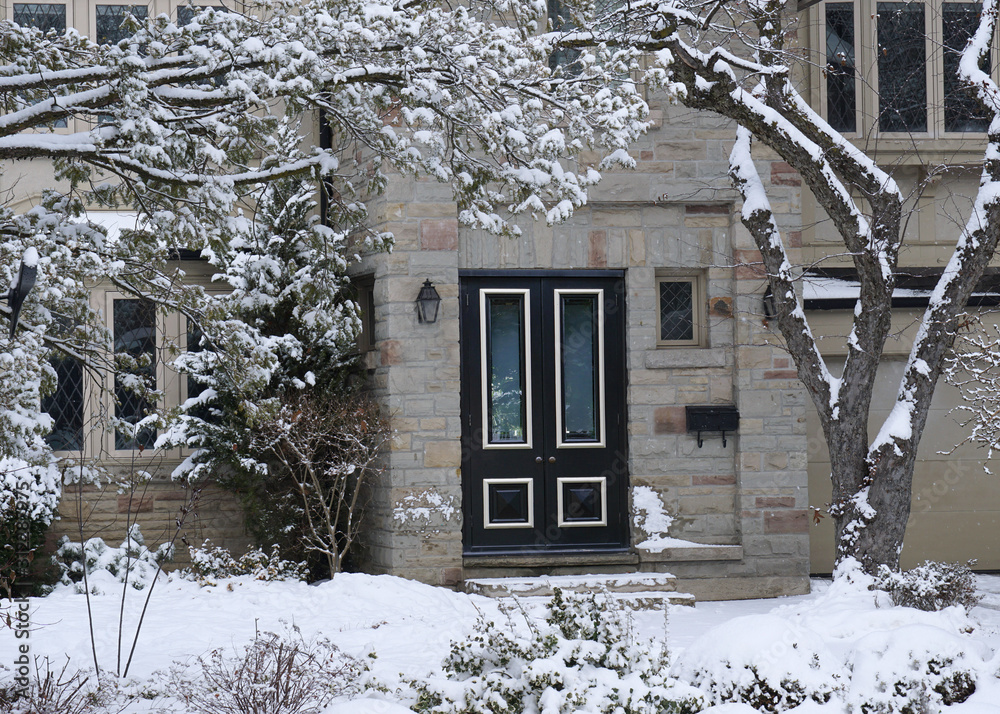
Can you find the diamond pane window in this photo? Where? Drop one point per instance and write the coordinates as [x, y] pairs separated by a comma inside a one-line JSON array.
[[962, 110], [561, 22], [194, 387], [47, 17], [65, 405], [44, 16], [135, 335], [841, 91], [677, 310], [186, 13], [111, 21], [902, 67]]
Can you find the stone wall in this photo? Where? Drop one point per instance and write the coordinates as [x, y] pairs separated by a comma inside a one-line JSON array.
[[106, 511], [676, 212]]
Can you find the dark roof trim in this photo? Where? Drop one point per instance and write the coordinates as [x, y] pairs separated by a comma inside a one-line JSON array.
[[917, 282]]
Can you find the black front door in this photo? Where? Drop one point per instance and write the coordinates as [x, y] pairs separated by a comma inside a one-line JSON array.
[[543, 398]]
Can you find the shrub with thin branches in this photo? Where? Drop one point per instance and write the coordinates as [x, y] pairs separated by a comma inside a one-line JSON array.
[[931, 586], [324, 451], [274, 674], [52, 691]]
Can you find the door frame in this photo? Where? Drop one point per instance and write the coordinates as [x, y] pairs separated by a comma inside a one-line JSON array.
[[615, 430]]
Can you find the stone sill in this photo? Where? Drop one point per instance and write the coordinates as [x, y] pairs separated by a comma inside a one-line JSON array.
[[543, 560], [693, 553], [686, 358]]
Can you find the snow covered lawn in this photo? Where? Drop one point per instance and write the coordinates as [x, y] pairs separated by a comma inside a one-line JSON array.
[[403, 630]]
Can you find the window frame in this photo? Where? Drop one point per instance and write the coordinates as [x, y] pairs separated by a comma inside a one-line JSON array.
[[168, 381], [699, 308], [866, 66]]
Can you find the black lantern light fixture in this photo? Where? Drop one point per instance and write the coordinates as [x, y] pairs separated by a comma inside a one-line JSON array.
[[428, 302], [770, 308], [25, 281]]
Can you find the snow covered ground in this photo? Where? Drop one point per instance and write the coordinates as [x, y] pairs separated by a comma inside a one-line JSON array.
[[403, 628]]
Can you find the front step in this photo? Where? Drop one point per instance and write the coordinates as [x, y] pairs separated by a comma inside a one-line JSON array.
[[642, 591]]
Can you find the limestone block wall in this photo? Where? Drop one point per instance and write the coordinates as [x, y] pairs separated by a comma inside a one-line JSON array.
[[415, 516], [676, 212], [107, 510]]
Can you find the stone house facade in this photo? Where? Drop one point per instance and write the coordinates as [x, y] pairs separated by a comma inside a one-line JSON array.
[[739, 510], [544, 414]]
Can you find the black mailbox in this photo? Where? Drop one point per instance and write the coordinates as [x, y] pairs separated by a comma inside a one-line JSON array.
[[717, 417]]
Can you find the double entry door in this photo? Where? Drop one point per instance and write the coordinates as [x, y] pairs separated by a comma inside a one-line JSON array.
[[543, 399]]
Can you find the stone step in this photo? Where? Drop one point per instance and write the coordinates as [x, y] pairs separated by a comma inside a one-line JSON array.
[[644, 590]]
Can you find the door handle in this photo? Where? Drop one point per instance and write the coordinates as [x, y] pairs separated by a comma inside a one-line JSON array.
[[538, 459], [552, 459]]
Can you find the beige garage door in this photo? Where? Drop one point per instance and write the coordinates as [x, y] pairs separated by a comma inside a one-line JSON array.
[[956, 505]]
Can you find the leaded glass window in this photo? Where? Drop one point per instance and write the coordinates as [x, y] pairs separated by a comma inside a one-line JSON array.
[[47, 17], [135, 336], [186, 13], [194, 386], [561, 22], [902, 67], [841, 90], [579, 367], [962, 110], [65, 405], [506, 368], [111, 21], [604, 19], [678, 310]]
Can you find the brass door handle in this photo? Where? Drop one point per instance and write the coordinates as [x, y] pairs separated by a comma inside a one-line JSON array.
[[538, 459], [552, 459]]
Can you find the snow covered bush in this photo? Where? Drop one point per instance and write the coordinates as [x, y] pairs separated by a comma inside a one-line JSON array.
[[931, 586], [131, 562], [763, 661], [584, 658], [274, 674], [209, 563], [29, 495], [912, 669]]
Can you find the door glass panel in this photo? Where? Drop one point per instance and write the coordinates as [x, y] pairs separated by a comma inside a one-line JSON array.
[[506, 369], [579, 368]]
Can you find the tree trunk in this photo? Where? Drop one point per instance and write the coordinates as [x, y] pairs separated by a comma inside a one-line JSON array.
[[870, 518]]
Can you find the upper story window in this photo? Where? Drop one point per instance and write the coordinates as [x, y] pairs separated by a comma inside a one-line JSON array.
[[47, 17], [44, 16], [186, 13], [111, 22], [890, 66]]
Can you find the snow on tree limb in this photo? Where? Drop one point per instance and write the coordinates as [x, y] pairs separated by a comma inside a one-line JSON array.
[[758, 218]]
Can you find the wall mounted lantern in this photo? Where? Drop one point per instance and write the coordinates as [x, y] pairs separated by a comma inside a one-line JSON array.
[[428, 302], [770, 308], [26, 275]]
